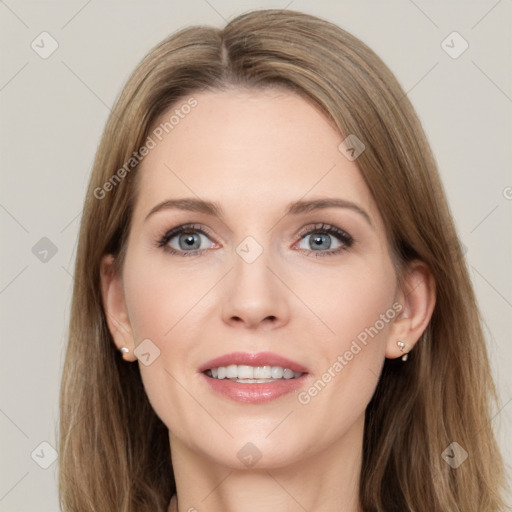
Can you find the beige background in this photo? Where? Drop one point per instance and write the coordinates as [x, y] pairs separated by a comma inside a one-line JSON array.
[[53, 112]]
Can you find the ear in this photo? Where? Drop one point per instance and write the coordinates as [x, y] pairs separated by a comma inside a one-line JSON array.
[[115, 307], [418, 301]]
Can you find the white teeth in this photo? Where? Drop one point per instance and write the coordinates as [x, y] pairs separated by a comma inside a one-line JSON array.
[[231, 371], [288, 374], [277, 372], [252, 374], [245, 372], [262, 372]]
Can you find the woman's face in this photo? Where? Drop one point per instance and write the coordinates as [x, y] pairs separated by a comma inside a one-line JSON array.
[[265, 273]]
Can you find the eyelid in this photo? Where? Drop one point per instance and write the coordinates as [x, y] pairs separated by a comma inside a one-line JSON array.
[[328, 228]]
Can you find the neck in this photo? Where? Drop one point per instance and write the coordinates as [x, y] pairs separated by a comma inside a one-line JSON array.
[[324, 481]]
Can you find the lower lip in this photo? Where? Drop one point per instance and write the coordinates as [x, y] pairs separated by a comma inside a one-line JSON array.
[[254, 393]]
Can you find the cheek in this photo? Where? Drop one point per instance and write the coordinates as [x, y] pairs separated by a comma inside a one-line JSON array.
[[160, 305], [356, 310], [349, 300], [158, 299], [357, 306]]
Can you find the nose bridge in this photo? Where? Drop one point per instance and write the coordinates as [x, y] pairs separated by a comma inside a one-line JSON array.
[[251, 274], [255, 294]]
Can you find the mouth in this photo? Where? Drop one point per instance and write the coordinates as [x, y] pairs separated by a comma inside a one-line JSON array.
[[254, 378], [246, 374]]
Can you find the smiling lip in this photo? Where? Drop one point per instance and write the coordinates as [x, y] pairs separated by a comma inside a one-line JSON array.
[[258, 392]]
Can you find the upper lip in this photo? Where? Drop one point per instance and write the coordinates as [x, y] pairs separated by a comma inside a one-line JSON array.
[[257, 359]]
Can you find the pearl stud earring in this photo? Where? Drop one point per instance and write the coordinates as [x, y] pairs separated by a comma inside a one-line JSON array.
[[401, 344]]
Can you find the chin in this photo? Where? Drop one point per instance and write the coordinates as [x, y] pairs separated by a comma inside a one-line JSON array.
[[255, 452]]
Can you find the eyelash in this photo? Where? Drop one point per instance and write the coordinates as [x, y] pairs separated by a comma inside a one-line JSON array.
[[343, 236]]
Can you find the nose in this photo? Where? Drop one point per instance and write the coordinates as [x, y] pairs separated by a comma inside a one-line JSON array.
[[255, 295]]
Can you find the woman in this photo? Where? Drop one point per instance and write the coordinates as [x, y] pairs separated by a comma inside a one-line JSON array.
[[266, 236]]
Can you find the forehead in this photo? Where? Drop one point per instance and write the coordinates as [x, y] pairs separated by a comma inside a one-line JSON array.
[[255, 150]]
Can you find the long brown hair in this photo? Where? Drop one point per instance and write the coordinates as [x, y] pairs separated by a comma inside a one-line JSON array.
[[114, 452]]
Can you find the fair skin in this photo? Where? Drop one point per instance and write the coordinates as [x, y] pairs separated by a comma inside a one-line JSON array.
[[253, 152]]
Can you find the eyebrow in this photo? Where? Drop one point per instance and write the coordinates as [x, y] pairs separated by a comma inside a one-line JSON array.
[[296, 208]]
